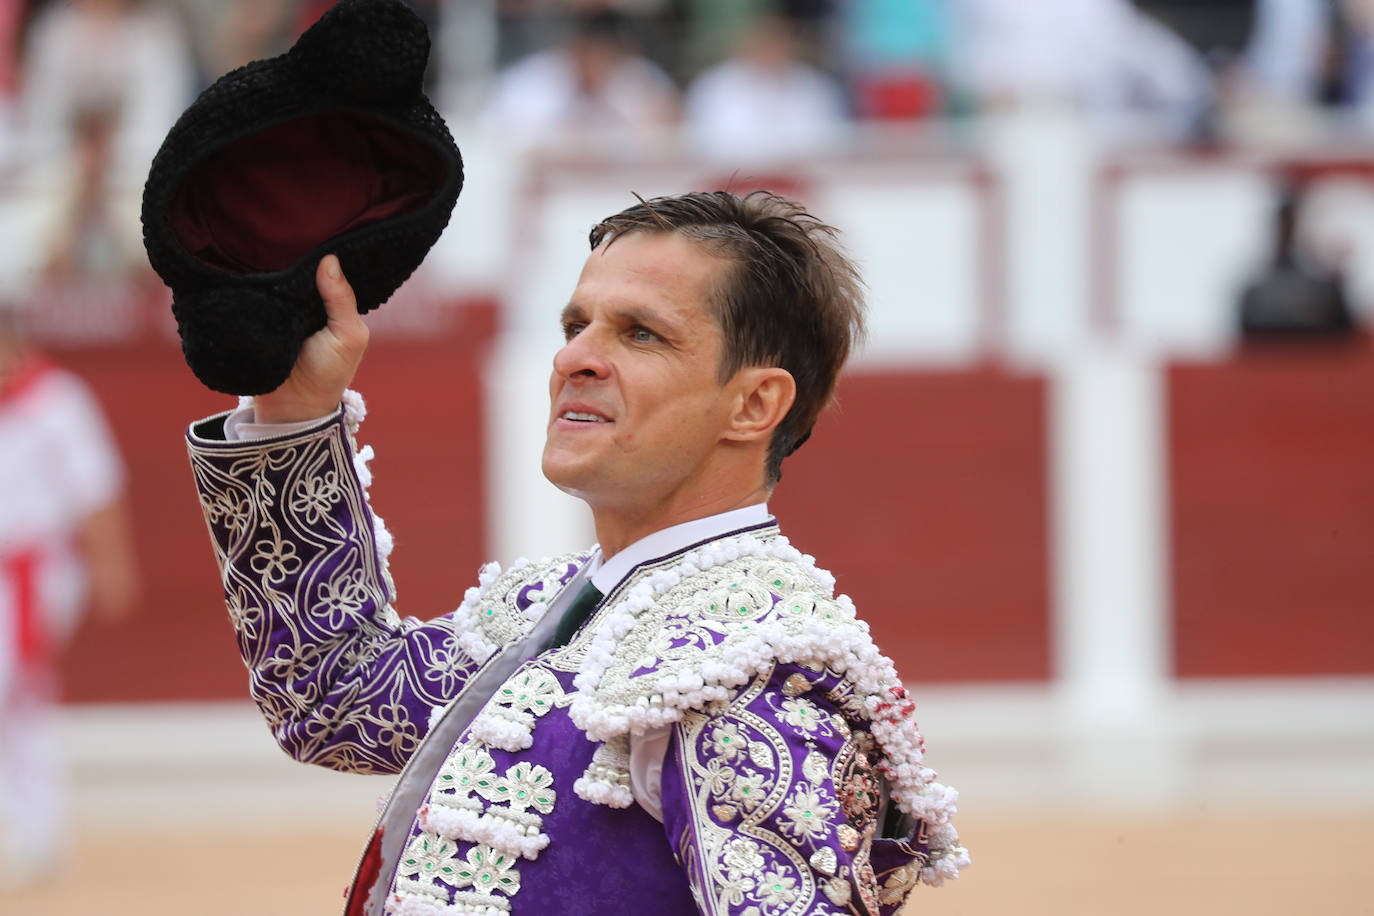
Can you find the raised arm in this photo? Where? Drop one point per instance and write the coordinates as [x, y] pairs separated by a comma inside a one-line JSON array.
[[342, 681]]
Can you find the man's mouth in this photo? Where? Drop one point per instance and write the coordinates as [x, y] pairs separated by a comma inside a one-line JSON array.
[[578, 416]]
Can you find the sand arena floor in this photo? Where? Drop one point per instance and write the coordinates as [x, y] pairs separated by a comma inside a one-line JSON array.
[[1213, 865]]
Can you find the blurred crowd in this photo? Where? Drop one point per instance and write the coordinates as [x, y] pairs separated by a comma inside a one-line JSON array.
[[741, 77], [89, 87]]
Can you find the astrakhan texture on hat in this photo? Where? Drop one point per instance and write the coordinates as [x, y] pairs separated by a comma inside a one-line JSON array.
[[331, 147]]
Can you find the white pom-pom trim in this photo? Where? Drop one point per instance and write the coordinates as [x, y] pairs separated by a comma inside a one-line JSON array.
[[399, 905], [465, 617], [848, 649], [498, 731], [603, 793], [354, 412], [458, 824]]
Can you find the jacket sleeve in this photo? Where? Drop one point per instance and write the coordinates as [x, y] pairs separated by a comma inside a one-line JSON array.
[[342, 681], [774, 804]]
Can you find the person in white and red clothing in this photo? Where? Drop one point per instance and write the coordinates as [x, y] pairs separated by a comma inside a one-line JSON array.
[[63, 534]]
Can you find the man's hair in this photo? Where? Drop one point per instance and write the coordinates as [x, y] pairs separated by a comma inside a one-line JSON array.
[[793, 299]]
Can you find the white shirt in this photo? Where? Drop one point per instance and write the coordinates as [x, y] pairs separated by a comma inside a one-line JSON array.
[[58, 465]]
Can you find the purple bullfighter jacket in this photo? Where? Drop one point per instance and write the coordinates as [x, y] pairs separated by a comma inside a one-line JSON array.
[[792, 779]]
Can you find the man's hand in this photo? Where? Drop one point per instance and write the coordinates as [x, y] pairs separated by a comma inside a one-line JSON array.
[[327, 360]]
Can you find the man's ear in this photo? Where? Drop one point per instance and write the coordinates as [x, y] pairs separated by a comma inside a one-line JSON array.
[[764, 394]]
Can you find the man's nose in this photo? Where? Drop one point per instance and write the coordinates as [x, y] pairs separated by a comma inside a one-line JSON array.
[[582, 356]]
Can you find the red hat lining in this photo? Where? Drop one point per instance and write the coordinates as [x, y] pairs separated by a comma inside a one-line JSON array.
[[268, 198]]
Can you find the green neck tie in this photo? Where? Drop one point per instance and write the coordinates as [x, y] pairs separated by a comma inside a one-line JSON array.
[[576, 614]]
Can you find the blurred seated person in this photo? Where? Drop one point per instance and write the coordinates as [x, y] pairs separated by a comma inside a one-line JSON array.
[[102, 82], [86, 240], [1296, 295], [590, 93], [243, 31], [1102, 58], [765, 103], [897, 54]]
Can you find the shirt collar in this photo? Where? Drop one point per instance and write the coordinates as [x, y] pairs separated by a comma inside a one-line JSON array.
[[606, 574]]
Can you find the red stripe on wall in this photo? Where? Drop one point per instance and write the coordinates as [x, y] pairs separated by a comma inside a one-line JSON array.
[[1272, 464], [924, 492]]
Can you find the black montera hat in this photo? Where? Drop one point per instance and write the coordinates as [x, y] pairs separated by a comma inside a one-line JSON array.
[[331, 147]]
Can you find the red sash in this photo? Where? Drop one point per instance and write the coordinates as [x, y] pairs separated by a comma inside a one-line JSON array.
[[31, 639], [24, 376]]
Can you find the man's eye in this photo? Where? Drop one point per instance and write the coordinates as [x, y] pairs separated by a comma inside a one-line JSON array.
[[644, 335], [571, 329]]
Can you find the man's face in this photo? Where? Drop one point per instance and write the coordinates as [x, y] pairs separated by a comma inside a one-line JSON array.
[[637, 409]]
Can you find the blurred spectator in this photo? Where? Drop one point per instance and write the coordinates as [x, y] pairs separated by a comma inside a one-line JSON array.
[[527, 26], [63, 529], [1101, 56], [244, 31], [1269, 60], [88, 243], [1357, 72], [1287, 51], [590, 93], [713, 27], [103, 81], [1296, 295], [1218, 29], [896, 53], [764, 104]]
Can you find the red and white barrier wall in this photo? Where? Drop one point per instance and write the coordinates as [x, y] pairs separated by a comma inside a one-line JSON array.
[[1118, 556]]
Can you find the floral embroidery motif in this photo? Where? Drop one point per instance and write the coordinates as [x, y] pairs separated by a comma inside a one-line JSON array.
[[511, 822], [510, 603], [429, 856], [777, 889], [741, 860], [726, 741], [312, 498], [748, 791], [802, 713], [808, 814], [489, 872], [500, 813], [759, 830], [341, 598], [805, 823], [340, 678], [274, 560], [466, 770], [507, 721]]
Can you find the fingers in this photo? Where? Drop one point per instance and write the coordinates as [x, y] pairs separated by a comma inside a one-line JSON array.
[[328, 359], [339, 301]]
